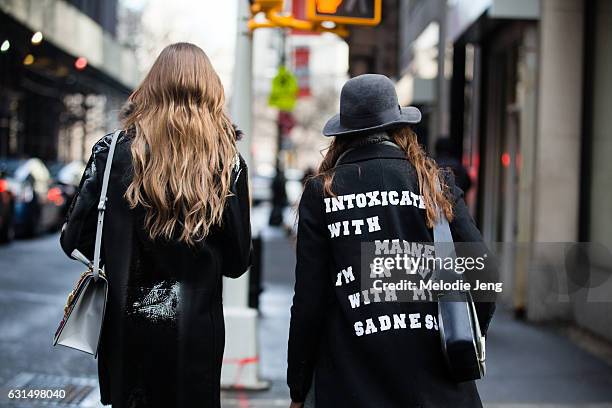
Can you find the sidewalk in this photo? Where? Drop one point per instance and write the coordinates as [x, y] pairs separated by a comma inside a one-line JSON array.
[[528, 365], [275, 302]]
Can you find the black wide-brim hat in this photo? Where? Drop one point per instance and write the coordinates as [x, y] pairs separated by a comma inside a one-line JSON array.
[[368, 104]]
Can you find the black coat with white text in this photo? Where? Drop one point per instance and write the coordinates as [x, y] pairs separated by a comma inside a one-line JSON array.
[[364, 353]]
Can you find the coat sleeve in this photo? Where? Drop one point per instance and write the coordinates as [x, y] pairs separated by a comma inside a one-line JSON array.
[[79, 229], [311, 291], [464, 229], [235, 235]]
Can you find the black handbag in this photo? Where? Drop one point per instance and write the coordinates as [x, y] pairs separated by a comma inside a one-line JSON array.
[[463, 344]]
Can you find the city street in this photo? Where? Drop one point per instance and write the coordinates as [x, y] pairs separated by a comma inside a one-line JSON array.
[[492, 115], [529, 366]]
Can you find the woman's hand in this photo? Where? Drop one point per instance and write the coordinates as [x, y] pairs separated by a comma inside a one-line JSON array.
[[296, 405]]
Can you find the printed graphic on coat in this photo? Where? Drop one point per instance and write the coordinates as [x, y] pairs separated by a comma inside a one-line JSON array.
[[157, 304]]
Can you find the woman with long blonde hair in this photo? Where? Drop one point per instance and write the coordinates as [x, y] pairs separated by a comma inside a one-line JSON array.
[[177, 221], [351, 344]]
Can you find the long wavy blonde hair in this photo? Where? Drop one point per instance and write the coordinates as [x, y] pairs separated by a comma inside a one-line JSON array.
[[183, 147], [428, 173]]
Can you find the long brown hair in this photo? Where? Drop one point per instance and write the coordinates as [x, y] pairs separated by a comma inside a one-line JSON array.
[[183, 147], [426, 169]]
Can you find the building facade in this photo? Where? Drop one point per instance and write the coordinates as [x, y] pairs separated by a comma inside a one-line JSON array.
[[63, 76], [522, 89]]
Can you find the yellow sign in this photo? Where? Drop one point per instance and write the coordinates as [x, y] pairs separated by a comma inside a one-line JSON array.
[[356, 12], [341, 12], [284, 90], [328, 6], [266, 5]]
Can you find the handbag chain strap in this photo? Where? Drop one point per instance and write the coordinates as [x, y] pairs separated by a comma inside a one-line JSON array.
[[102, 206]]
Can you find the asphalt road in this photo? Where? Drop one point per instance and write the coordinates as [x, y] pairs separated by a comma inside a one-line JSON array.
[[528, 365], [35, 277]]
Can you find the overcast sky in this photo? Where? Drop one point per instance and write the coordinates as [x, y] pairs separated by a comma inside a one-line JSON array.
[[211, 24]]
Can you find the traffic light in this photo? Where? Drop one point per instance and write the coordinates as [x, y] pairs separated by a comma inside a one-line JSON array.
[[357, 12], [266, 5], [328, 6]]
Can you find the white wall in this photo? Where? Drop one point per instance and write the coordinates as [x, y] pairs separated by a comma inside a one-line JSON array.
[[557, 181]]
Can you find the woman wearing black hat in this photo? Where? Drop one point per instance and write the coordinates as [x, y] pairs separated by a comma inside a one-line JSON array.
[[374, 184]]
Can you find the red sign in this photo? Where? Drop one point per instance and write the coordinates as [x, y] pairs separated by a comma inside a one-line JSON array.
[[301, 65], [286, 120], [298, 10]]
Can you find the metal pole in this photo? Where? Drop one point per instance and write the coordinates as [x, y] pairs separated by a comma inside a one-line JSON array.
[[240, 109], [279, 194], [84, 110], [242, 92], [442, 122], [282, 60], [240, 320], [279, 144]]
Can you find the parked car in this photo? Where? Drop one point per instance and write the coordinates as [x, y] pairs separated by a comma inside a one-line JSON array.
[[7, 203], [294, 185], [261, 186], [66, 178], [36, 207]]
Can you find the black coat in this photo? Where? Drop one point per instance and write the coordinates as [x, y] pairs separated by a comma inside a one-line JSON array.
[[328, 337], [462, 177], [163, 334]]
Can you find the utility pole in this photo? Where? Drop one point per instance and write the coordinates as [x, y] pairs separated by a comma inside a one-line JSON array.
[[84, 147], [279, 193], [442, 84], [282, 61], [242, 90], [241, 358]]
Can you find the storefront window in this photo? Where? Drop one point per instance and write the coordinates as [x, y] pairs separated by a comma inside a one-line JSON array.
[[601, 170]]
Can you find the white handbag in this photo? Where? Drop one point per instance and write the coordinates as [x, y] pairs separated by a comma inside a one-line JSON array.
[[81, 325]]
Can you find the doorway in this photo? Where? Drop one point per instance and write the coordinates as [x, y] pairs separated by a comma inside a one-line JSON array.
[[508, 123]]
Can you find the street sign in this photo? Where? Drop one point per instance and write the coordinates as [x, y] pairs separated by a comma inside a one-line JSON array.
[[301, 66], [287, 121], [284, 90], [298, 10], [356, 12]]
